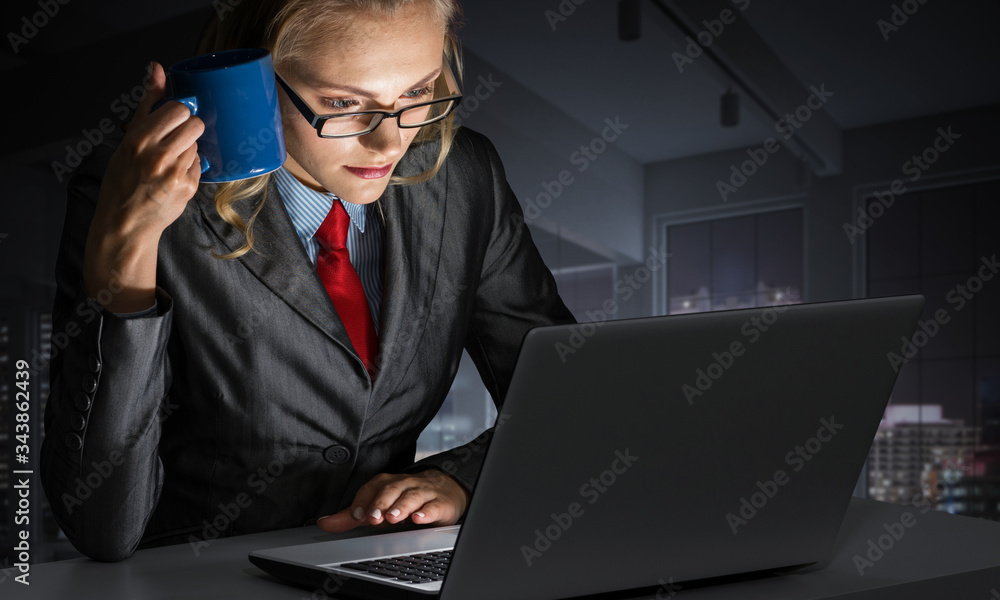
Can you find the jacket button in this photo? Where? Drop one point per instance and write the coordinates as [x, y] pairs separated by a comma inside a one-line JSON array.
[[94, 363], [74, 442], [82, 402], [77, 422], [336, 455], [89, 384]]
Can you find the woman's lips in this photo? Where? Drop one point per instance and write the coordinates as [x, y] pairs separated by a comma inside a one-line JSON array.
[[370, 172]]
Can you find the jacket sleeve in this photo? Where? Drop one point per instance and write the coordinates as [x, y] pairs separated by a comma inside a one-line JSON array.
[[99, 463], [516, 293]]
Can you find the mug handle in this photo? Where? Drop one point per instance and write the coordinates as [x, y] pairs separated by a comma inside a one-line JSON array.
[[192, 103]]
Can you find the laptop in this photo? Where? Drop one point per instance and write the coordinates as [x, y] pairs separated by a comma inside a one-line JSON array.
[[648, 452]]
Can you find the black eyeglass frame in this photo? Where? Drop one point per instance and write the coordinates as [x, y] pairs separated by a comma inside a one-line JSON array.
[[318, 121]]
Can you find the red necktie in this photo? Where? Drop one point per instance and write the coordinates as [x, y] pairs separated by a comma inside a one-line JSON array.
[[344, 286]]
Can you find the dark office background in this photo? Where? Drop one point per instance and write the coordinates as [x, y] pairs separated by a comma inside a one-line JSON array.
[[885, 180]]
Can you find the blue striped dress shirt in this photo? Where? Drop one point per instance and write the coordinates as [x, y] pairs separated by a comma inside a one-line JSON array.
[[308, 208]]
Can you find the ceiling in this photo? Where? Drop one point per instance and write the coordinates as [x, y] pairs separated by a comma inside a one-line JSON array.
[[945, 57]]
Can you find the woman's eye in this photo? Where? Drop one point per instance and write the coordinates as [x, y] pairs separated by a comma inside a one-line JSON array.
[[348, 105], [340, 104], [420, 93]]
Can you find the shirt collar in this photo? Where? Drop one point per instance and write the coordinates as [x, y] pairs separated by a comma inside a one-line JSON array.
[[301, 200]]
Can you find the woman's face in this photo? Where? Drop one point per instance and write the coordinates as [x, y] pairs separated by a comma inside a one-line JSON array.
[[378, 64]]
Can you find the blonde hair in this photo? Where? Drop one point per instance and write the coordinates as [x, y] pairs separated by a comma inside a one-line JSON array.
[[289, 29]]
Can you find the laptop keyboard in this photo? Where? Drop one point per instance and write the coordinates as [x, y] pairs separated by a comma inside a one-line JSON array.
[[413, 568]]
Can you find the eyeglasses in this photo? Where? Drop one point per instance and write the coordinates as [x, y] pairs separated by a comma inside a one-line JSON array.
[[345, 125]]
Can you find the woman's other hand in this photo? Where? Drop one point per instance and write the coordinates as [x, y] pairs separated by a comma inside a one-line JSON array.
[[427, 498]]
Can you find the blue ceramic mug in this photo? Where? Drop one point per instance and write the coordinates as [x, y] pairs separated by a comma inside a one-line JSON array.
[[234, 93]]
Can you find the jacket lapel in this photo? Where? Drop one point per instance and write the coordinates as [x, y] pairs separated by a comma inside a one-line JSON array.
[[279, 261], [414, 230]]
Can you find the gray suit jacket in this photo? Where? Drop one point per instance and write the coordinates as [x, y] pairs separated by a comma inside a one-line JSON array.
[[242, 406]]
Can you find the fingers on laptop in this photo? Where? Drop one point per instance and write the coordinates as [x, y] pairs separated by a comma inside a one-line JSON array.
[[395, 498], [428, 497]]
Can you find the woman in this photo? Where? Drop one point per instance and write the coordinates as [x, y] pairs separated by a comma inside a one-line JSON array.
[[215, 386]]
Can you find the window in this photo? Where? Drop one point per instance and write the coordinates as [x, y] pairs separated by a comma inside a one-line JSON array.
[[735, 262], [943, 244]]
